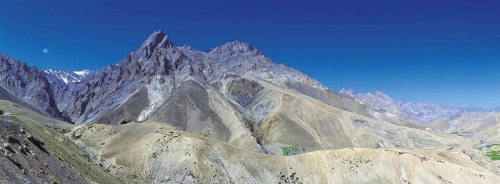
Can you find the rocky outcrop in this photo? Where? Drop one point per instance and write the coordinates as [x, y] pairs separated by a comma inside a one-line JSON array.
[[25, 158]]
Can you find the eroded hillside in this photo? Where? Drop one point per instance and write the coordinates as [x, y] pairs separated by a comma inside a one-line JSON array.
[[156, 152]]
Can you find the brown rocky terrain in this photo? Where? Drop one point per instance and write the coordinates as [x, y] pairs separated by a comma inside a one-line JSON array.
[[155, 152]]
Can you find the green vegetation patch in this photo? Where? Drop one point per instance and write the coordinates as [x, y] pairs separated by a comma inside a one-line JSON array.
[[454, 132], [494, 154], [287, 150]]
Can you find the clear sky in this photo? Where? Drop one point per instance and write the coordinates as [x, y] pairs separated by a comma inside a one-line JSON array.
[[446, 53]]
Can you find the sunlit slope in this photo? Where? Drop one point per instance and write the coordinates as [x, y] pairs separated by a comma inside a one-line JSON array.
[[21, 111], [297, 119], [256, 115], [156, 152]]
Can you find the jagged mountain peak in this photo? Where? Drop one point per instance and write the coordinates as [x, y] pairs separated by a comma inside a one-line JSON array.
[[378, 94], [382, 95], [6, 59], [160, 68], [156, 40], [234, 47], [3, 56], [83, 72], [187, 47], [66, 76], [346, 91]]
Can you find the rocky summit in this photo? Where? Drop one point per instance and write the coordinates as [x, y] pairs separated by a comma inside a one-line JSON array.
[[169, 114]]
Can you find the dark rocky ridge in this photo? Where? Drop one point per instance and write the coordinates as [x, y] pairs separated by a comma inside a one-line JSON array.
[[29, 85], [158, 61]]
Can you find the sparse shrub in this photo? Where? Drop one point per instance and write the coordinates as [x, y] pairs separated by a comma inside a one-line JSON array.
[[54, 181], [359, 120], [291, 150], [286, 150], [1, 112], [125, 121], [61, 158]]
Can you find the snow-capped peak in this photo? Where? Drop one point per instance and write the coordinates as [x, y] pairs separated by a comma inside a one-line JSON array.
[[82, 73], [67, 76]]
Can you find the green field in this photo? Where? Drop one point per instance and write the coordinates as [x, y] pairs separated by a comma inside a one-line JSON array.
[[287, 150], [494, 154]]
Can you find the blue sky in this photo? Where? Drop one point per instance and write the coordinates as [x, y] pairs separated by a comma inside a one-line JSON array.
[[446, 53]]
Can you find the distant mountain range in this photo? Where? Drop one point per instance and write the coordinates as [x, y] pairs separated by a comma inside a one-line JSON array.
[[420, 113], [67, 76]]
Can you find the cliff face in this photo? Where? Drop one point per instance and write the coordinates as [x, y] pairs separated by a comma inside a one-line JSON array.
[[29, 85]]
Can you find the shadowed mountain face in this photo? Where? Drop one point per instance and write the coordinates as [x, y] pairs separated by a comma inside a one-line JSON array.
[[28, 86]]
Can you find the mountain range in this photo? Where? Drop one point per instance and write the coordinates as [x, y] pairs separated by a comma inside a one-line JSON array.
[[66, 76], [197, 112], [419, 113]]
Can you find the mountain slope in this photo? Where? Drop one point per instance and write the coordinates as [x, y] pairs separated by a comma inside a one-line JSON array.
[[174, 156], [29, 85], [33, 152], [234, 94], [161, 68], [6, 95]]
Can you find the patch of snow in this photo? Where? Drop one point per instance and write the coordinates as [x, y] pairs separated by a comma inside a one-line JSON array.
[[64, 79], [68, 77], [82, 73]]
